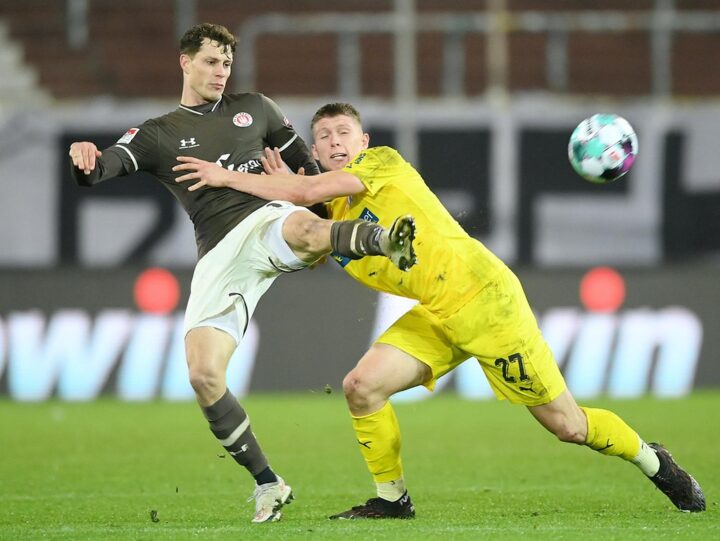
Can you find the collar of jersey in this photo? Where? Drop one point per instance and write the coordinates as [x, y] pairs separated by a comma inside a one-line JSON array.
[[202, 108]]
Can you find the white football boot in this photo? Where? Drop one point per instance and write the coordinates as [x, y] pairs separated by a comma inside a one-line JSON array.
[[269, 499]]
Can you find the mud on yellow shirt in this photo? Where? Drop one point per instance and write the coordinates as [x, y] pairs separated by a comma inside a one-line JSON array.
[[453, 267]]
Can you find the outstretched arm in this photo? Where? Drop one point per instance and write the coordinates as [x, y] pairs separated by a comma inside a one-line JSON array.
[[90, 166], [298, 189], [136, 150], [274, 164]]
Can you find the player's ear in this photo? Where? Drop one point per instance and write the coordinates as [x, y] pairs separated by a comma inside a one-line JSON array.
[[365, 140], [315, 154], [185, 63]]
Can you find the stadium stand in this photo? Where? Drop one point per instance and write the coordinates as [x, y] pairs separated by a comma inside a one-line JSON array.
[[126, 41], [23, 84]]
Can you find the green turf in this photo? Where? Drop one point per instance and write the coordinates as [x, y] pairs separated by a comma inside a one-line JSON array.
[[476, 470]]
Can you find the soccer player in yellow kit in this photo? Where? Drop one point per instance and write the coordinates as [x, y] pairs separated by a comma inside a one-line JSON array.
[[470, 305]]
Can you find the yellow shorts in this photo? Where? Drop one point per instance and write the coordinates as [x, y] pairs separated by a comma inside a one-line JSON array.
[[498, 328]]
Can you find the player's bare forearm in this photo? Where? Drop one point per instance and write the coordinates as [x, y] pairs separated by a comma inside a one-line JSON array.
[[316, 189], [285, 187], [296, 189], [199, 173]]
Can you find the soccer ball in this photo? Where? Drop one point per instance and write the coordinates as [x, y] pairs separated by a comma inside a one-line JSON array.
[[603, 148]]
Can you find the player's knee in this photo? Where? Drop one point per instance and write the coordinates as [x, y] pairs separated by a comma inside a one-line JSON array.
[[352, 385], [356, 389], [205, 379]]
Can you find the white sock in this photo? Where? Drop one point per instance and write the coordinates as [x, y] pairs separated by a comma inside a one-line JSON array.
[[392, 490], [647, 460]]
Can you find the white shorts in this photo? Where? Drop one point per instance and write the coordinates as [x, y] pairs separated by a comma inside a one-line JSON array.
[[230, 279]]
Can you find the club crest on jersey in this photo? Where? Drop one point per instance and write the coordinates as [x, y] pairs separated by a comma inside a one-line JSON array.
[[188, 143], [132, 132], [243, 120]]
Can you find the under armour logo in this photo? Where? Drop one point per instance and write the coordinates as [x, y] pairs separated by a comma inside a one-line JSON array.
[[365, 443], [188, 143]]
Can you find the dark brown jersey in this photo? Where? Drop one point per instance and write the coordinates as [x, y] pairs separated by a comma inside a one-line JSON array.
[[231, 132]]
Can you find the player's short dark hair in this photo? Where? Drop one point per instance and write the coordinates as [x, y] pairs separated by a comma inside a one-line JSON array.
[[330, 110], [192, 40]]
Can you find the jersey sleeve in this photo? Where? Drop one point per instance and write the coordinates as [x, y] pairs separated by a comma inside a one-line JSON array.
[[137, 149], [374, 167], [282, 135], [134, 151]]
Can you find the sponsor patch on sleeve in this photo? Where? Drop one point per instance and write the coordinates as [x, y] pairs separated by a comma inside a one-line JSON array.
[[132, 132]]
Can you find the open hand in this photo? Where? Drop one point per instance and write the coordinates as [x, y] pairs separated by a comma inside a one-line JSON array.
[[274, 164], [206, 173]]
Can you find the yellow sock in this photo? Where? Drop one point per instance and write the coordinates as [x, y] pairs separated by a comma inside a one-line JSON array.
[[379, 437], [610, 435]]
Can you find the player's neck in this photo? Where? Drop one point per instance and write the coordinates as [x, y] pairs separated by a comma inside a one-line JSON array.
[[190, 98]]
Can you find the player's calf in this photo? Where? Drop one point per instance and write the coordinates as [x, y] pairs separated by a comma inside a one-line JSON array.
[[356, 239]]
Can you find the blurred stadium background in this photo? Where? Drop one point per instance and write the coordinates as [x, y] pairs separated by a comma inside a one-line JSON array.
[[480, 95]]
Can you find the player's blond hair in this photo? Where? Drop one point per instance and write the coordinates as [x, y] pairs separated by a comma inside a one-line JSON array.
[[330, 110]]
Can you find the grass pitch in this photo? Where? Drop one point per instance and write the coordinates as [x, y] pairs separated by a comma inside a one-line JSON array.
[[475, 470]]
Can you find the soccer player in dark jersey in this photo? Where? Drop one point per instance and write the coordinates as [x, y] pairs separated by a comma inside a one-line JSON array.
[[244, 242], [470, 304]]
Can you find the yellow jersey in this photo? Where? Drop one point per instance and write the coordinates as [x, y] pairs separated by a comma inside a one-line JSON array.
[[452, 266]]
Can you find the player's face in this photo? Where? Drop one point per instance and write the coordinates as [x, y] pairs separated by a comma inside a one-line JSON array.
[[338, 140], [207, 72]]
